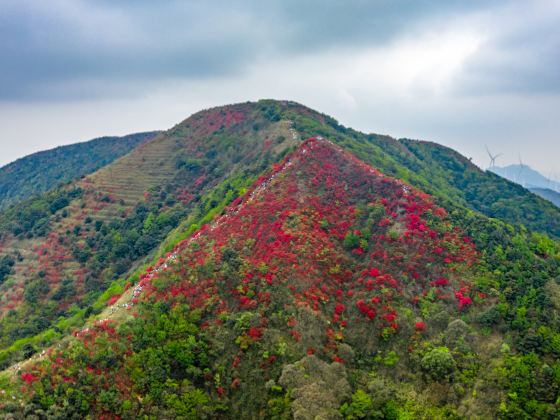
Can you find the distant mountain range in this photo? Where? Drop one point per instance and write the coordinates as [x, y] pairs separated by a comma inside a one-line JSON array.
[[531, 179]]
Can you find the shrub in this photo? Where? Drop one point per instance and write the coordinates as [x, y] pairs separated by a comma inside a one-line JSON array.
[[359, 408], [351, 240], [6, 267], [438, 364]]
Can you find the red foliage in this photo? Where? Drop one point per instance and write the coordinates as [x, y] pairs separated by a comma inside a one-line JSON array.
[[28, 378], [389, 317], [113, 299], [255, 333], [290, 229], [440, 282], [199, 180], [420, 326], [296, 335], [464, 301], [339, 308]]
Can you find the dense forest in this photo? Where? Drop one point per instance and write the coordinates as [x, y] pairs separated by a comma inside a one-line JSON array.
[[264, 261], [44, 171]]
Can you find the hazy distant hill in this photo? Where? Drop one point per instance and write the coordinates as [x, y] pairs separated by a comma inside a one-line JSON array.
[[43, 171], [531, 179], [526, 176], [550, 195]]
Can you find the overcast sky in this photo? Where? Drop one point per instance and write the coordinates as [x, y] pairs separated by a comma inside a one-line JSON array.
[[462, 73]]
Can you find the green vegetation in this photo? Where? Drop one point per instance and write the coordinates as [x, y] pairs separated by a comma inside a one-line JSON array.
[[107, 236], [6, 267], [32, 218], [438, 363], [486, 192], [439, 171], [44, 171]]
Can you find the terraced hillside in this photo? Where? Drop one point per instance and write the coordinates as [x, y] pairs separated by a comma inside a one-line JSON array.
[[43, 171]]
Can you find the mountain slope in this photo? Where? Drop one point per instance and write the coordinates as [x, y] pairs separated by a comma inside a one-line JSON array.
[[547, 194], [43, 171], [324, 256], [485, 192], [59, 252], [328, 289], [436, 170], [532, 180]]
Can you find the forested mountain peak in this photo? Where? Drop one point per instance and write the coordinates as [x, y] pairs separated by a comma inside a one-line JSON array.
[[322, 258]]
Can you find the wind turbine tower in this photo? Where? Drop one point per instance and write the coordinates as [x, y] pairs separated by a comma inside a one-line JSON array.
[[521, 168], [492, 158]]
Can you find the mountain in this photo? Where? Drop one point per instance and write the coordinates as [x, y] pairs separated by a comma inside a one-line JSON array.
[[532, 180], [526, 176], [43, 171], [455, 177], [547, 194], [261, 260], [439, 171], [61, 251]]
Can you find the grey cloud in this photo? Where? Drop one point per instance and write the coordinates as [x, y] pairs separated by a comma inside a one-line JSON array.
[[50, 48], [522, 54], [42, 53]]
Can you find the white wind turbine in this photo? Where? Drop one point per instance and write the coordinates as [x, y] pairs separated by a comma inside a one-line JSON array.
[[521, 168], [492, 158]]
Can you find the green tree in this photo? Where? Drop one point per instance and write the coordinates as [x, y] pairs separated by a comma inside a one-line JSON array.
[[360, 407], [438, 363]]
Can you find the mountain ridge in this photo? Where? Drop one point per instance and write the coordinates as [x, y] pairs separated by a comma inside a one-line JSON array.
[[70, 245], [532, 180], [121, 192]]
